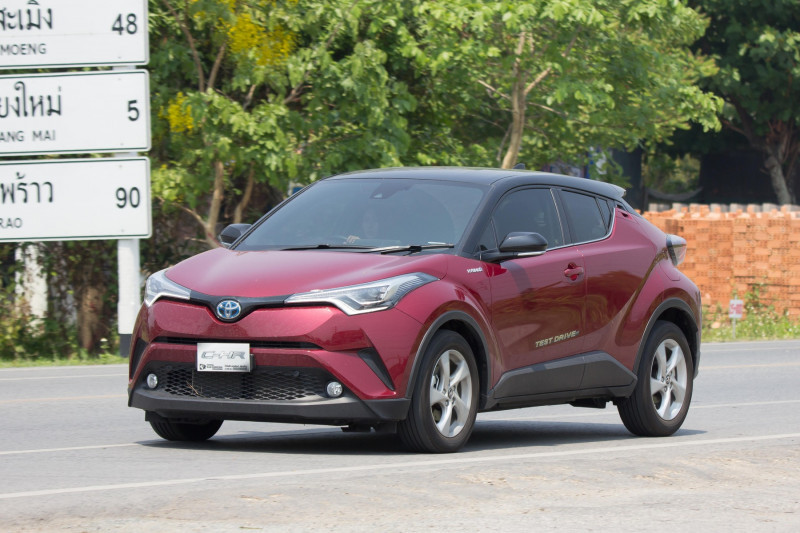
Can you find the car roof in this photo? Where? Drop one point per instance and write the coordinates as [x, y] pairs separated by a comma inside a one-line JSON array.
[[507, 178]]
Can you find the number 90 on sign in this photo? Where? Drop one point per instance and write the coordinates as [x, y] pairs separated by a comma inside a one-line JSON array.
[[128, 197]]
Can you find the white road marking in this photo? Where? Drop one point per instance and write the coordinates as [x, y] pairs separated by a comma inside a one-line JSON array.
[[608, 412], [71, 449], [728, 367], [67, 377], [62, 399], [483, 418], [460, 460]]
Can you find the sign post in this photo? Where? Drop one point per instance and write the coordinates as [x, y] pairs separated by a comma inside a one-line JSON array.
[[72, 113], [75, 199], [81, 33], [82, 112], [735, 311]]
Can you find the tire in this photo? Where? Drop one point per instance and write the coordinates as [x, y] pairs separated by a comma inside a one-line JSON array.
[[660, 401], [185, 432], [444, 402]]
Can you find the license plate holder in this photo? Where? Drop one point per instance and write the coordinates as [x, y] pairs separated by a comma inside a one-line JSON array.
[[223, 357]]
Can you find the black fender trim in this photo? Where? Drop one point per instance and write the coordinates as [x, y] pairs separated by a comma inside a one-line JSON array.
[[666, 305], [589, 375], [458, 316]]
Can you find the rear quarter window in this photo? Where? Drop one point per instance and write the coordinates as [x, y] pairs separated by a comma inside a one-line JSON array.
[[588, 221]]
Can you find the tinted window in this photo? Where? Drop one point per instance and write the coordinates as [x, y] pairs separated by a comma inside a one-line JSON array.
[[585, 218], [606, 210], [529, 210], [370, 212]]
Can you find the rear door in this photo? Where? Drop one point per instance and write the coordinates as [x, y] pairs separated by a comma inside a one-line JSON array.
[[618, 259]]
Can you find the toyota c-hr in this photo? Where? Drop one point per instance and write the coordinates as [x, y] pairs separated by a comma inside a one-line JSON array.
[[411, 299]]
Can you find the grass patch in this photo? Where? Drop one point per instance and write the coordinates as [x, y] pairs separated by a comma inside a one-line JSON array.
[[760, 322], [78, 360]]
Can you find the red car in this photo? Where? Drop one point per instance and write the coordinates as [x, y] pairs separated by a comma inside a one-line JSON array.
[[411, 299]]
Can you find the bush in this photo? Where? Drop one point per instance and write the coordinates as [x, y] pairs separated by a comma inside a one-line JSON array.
[[759, 322]]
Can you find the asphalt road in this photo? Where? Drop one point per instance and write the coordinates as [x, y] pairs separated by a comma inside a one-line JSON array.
[[73, 457]]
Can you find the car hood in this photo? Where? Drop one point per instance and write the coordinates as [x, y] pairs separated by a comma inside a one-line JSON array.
[[223, 272]]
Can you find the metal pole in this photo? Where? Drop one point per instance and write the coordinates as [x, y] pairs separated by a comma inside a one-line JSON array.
[[128, 268], [129, 272]]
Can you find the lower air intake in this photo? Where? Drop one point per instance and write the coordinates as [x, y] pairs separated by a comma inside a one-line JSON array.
[[262, 385]]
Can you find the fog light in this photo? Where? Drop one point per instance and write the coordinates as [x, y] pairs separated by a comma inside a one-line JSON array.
[[152, 381], [334, 389]]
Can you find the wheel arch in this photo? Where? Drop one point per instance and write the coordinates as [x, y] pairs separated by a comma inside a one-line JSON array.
[[466, 326], [680, 313]]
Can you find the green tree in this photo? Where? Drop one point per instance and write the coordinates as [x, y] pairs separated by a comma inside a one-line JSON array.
[[549, 79], [264, 92], [757, 44], [249, 96]]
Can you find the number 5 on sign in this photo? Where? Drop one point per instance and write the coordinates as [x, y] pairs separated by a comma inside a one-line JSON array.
[[80, 112]]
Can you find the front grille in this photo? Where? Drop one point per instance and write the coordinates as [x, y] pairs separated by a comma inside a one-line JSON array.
[[281, 345], [261, 385]]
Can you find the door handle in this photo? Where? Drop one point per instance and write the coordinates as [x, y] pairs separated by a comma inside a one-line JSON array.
[[573, 272]]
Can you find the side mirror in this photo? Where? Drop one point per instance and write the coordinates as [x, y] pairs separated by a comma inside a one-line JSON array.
[[232, 232], [517, 244]]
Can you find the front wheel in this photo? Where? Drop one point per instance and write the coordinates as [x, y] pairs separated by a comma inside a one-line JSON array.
[[660, 402], [181, 431], [445, 398]]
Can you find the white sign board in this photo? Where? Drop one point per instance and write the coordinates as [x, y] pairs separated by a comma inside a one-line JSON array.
[[55, 33], [72, 199], [736, 309], [80, 112]]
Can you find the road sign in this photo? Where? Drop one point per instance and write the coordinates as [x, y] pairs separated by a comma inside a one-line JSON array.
[[50, 33], [735, 309], [75, 199], [75, 113]]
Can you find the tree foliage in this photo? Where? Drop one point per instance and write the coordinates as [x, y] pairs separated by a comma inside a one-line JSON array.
[[267, 92], [264, 93], [553, 78], [757, 45]]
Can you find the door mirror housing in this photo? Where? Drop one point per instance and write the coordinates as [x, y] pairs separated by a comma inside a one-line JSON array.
[[231, 233], [515, 245]]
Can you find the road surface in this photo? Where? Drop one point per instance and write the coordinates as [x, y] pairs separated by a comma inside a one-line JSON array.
[[74, 457]]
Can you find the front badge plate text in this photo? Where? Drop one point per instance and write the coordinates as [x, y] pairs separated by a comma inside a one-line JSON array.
[[223, 357]]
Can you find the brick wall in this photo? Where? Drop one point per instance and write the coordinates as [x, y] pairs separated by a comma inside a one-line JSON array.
[[732, 248]]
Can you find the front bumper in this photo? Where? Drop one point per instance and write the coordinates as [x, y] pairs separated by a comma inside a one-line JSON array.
[[295, 353], [268, 394]]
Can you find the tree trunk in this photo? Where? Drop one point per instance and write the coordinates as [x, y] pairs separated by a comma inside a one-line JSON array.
[[777, 177], [90, 324], [518, 100], [216, 204], [517, 124], [238, 213]]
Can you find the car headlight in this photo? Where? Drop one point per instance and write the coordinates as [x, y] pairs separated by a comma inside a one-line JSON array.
[[367, 297], [160, 286]]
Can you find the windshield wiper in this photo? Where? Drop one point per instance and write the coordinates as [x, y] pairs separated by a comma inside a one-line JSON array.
[[413, 248], [327, 247]]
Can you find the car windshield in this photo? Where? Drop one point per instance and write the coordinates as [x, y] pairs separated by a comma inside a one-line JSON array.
[[370, 214]]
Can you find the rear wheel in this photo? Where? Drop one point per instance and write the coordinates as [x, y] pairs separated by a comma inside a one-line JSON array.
[[184, 431], [445, 398], [660, 401]]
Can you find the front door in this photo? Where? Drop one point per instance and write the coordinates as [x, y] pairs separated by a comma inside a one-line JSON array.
[[537, 302]]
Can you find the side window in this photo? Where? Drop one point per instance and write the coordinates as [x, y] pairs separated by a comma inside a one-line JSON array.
[[585, 217], [606, 211], [529, 210], [487, 241]]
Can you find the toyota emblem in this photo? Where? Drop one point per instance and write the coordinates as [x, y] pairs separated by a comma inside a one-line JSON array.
[[228, 310]]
